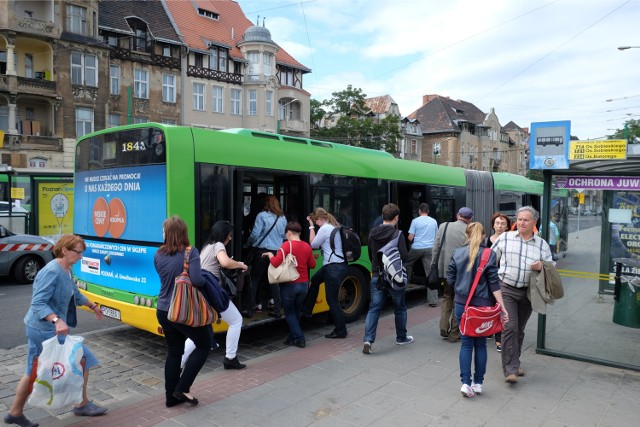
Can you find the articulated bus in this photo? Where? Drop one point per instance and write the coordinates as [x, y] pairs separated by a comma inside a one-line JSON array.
[[128, 179]]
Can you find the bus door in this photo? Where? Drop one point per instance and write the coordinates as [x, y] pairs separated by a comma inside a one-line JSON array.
[[255, 185], [409, 198]]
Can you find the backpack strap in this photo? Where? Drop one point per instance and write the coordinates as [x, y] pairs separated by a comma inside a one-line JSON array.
[[332, 242]]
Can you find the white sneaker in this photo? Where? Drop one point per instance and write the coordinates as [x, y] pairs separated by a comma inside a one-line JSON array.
[[467, 391], [477, 388], [366, 349]]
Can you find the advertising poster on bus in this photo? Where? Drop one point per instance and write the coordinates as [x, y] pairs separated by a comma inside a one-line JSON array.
[[55, 209], [123, 208]]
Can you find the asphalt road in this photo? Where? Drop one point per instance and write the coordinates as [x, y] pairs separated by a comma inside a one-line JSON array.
[[14, 303]]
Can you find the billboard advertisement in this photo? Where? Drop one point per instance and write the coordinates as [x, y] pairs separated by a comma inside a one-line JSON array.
[[55, 209]]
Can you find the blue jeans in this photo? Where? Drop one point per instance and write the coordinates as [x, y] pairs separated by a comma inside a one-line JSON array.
[[292, 295], [333, 275], [467, 347], [377, 303]]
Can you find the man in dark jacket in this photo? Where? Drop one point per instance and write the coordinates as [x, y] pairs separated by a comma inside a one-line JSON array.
[[378, 237]]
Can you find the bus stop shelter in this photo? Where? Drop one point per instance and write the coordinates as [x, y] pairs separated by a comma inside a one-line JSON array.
[[596, 207]]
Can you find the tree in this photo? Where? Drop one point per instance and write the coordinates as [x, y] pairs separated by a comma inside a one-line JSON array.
[[355, 124], [630, 132]]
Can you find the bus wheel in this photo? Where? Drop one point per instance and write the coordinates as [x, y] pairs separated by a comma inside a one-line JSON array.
[[354, 293], [26, 269]]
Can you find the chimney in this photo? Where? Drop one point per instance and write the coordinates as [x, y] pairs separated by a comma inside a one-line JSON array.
[[427, 98]]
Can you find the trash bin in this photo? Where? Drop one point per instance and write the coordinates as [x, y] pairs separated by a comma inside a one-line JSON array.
[[626, 307]]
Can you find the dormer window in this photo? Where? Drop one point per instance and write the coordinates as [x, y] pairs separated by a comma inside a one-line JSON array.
[[141, 40], [457, 110], [208, 14]]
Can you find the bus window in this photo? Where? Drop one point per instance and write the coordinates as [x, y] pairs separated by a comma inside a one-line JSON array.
[[213, 197]]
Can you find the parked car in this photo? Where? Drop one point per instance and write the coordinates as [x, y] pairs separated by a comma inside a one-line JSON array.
[[23, 255]]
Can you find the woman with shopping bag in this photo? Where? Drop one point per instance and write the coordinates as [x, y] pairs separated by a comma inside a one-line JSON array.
[[53, 312]]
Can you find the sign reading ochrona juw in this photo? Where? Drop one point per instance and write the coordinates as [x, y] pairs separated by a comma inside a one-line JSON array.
[[607, 149]]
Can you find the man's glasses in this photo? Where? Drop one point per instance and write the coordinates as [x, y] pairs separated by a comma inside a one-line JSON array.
[[76, 251]]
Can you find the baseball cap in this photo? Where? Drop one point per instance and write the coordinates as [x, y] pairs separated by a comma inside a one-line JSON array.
[[466, 213]]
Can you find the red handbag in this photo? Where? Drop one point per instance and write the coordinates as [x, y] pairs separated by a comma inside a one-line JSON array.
[[480, 321]]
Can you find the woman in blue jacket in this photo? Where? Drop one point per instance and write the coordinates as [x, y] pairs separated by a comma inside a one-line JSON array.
[[53, 312], [460, 274]]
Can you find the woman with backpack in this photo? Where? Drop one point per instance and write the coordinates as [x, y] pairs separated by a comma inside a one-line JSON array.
[[334, 266], [292, 294], [460, 274]]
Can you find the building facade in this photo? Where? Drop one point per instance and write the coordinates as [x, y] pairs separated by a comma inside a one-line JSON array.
[[235, 75], [457, 133]]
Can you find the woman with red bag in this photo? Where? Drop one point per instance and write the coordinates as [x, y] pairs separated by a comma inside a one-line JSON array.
[[460, 274]]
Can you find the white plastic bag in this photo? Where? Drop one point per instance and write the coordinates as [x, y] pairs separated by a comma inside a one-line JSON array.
[[60, 374]]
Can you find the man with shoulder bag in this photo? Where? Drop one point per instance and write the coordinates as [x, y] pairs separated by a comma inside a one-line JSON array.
[[451, 236]]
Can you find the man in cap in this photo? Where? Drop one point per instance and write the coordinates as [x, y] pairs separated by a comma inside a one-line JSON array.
[[443, 248]]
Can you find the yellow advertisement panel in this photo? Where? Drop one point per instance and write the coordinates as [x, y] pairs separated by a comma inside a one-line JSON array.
[[609, 149], [55, 209]]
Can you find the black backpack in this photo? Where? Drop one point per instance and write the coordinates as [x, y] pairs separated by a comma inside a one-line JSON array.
[[351, 246]]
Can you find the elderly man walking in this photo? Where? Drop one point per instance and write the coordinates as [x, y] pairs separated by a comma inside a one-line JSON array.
[[519, 252]]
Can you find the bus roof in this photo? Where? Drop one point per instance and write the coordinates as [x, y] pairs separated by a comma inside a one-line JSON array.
[[509, 181], [272, 151]]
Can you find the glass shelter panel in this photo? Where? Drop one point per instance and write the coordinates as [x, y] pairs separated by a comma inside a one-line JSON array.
[[589, 230]]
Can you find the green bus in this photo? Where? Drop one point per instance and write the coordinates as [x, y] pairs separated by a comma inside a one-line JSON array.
[[128, 179]]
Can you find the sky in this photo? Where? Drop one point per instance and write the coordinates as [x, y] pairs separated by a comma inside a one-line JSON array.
[[532, 61]]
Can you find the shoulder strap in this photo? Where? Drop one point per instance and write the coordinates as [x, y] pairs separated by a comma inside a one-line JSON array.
[[187, 253], [332, 243], [444, 235], [486, 253], [267, 233]]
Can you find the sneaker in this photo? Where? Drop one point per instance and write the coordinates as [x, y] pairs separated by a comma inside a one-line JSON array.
[[89, 410], [22, 421], [466, 390], [366, 349], [477, 388], [498, 348], [407, 340]]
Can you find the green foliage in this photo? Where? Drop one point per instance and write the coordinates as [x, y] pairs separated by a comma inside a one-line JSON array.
[[535, 175], [630, 132], [355, 125]]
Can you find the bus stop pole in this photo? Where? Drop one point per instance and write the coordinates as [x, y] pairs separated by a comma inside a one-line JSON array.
[[546, 206]]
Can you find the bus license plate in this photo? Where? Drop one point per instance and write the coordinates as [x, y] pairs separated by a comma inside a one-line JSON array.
[[111, 312]]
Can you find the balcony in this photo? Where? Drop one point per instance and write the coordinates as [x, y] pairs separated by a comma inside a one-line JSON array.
[[36, 86], [292, 126], [144, 57], [37, 27], [32, 142], [207, 73]]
